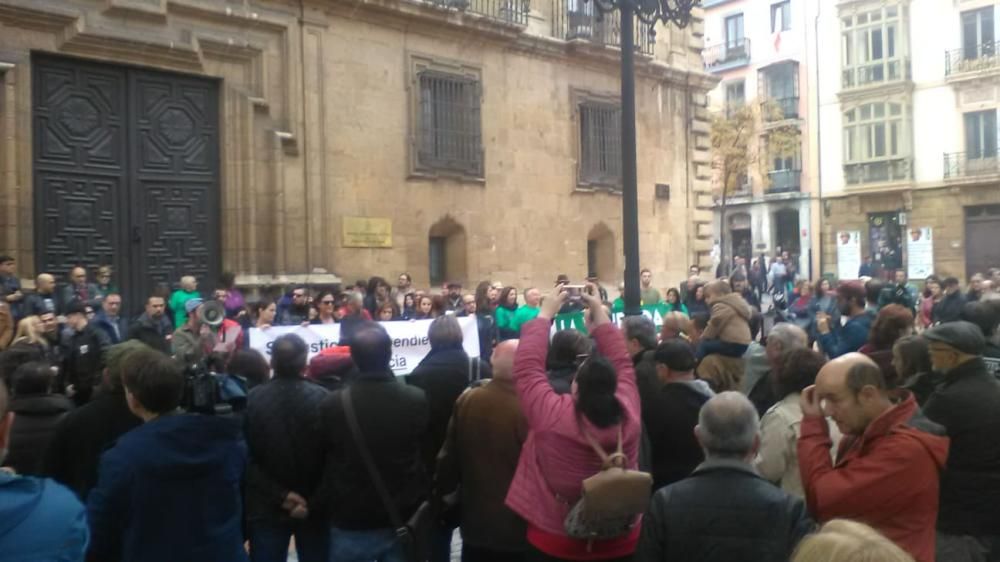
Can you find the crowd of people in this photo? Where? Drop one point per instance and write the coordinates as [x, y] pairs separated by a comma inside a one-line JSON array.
[[761, 417]]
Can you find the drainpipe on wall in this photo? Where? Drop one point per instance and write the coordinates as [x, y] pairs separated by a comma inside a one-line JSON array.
[[819, 141]]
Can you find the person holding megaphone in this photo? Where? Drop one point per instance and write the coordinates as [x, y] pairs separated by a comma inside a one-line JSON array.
[[206, 331]]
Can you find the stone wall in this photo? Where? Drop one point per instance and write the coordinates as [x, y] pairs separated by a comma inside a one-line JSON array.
[[316, 120]]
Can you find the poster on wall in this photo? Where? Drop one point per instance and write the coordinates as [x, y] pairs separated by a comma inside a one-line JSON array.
[[920, 253], [848, 254], [884, 239]]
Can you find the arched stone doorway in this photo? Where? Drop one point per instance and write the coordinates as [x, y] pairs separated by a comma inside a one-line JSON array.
[[447, 252]]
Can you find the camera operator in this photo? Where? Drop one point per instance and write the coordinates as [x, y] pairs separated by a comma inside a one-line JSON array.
[[206, 331], [899, 293]]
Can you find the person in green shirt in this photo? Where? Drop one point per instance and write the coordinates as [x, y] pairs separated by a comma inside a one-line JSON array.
[[649, 294], [674, 303], [188, 291], [529, 310], [619, 304], [506, 308]]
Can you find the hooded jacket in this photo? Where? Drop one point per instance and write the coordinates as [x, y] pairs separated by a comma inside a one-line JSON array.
[[965, 403], [730, 320], [170, 490], [40, 520], [887, 478], [36, 417]]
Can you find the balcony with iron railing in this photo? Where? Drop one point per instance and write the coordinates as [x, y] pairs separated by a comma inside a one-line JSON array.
[[514, 12], [727, 56], [958, 165], [875, 73], [779, 109], [878, 171], [983, 57], [577, 20], [784, 181]]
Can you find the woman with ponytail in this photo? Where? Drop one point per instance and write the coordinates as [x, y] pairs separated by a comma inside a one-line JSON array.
[[603, 406]]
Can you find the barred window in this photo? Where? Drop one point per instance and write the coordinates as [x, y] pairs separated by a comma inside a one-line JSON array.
[[448, 135], [600, 144]]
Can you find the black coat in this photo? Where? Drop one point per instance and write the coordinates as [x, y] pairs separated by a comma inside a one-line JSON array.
[[80, 438], [723, 512], [83, 360], [394, 420], [669, 416], [965, 403], [37, 304], [949, 308], [283, 437], [443, 375], [35, 420], [561, 378], [153, 333]]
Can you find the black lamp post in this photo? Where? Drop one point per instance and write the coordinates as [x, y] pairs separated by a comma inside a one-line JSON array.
[[649, 12]]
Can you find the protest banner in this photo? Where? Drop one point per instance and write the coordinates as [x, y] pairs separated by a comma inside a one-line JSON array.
[[409, 340], [574, 320]]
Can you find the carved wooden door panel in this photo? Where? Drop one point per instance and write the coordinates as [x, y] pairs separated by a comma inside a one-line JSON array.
[[126, 173]]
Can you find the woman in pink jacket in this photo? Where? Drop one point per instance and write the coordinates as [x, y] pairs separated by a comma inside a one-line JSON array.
[[556, 457]]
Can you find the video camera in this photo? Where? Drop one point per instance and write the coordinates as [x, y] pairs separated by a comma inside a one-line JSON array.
[[207, 391]]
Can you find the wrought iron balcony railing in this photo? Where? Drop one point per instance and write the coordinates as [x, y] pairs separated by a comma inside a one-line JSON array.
[[784, 181], [967, 164], [507, 11], [729, 54], [576, 19], [981, 57]]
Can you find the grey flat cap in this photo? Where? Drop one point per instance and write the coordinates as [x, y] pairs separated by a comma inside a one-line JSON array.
[[963, 336]]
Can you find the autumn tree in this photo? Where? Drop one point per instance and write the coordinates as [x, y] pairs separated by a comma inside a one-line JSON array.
[[739, 136]]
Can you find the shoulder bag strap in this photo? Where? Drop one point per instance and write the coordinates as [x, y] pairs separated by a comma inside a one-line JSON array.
[[359, 440], [606, 460]]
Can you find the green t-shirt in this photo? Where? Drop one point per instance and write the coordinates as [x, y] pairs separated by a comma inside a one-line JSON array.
[[524, 315], [618, 305], [505, 318], [177, 302]]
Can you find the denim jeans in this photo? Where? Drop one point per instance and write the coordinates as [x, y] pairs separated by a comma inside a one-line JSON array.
[[269, 540], [372, 545], [708, 347]]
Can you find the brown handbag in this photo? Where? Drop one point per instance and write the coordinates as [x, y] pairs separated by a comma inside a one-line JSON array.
[[611, 500]]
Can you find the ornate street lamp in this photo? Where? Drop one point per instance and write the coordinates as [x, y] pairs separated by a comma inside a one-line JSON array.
[[649, 12]]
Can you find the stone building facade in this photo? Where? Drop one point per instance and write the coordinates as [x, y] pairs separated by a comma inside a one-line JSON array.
[[288, 140], [908, 119]]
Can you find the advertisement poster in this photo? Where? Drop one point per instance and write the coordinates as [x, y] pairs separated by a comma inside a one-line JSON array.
[[848, 254], [920, 253]]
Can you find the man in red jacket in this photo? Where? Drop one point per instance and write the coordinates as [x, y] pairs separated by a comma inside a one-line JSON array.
[[889, 465]]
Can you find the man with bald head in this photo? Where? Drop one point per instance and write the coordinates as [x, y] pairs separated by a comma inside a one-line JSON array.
[[480, 453], [43, 300], [724, 511], [78, 289], [890, 460]]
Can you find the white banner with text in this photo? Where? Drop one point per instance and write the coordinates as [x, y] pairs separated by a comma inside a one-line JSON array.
[[409, 340]]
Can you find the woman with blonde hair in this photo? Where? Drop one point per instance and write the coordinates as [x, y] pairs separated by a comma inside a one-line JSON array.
[[29, 332], [841, 540]]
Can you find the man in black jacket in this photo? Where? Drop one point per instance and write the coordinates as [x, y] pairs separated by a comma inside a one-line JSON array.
[[83, 354], [640, 341], [153, 327], [724, 511], [949, 308], [393, 420], [966, 405], [443, 375], [671, 412], [286, 462], [986, 315], [80, 438]]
